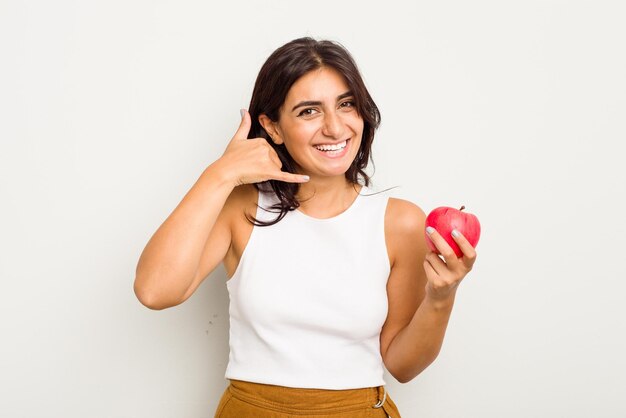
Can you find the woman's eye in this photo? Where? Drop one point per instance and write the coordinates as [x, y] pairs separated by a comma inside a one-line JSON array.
[[307, 112], [349, 103]]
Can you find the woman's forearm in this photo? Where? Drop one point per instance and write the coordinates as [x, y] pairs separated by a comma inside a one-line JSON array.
[[417, 345], [169, 261]]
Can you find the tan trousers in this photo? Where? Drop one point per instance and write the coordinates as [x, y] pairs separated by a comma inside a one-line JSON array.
[[255, 400]]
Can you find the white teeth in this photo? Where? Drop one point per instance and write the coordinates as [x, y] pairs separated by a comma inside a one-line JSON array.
[[334, 147]]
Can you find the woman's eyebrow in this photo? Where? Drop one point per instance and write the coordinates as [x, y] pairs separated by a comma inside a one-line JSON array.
[[318, 103], [344, 95]]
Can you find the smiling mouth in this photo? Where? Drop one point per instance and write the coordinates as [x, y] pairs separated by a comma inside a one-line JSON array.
[[332, 148]]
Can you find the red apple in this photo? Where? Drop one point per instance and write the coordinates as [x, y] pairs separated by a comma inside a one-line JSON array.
[[444, 219]]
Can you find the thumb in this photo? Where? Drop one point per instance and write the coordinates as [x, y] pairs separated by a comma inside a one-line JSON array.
[[244, 126]]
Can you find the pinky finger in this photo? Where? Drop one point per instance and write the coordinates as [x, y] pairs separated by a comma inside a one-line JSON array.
[[292, 178]]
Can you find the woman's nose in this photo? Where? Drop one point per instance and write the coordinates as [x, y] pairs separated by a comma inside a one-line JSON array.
[[333, 126]]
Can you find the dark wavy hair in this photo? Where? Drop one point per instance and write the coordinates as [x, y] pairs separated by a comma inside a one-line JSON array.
[[281, 70]]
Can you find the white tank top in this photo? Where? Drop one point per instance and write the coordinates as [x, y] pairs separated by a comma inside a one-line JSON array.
[[308, 298]]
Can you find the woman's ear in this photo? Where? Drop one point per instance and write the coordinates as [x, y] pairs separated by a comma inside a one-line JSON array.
[[271, 129]]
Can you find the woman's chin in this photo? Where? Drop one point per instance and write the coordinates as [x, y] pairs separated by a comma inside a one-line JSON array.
[[327, 173]]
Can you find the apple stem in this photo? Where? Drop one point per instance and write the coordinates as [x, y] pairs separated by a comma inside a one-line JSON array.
[[462, 207]]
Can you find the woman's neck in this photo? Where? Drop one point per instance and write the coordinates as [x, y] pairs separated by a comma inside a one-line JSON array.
[[326, 197]]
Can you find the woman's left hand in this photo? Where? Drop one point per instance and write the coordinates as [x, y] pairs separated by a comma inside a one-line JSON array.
[[444, 276]]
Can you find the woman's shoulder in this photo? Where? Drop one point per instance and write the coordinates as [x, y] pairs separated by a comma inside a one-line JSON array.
[[403, 216], [244, 193], [404, 229], [242, 200]]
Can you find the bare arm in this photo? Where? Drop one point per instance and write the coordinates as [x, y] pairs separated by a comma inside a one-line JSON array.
[[196, 236], [167, 266], [421, 291]]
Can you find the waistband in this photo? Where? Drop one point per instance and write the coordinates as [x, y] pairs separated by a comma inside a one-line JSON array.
[[314, 401]]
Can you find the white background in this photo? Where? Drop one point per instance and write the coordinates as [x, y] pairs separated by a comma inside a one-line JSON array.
[[109, 112]]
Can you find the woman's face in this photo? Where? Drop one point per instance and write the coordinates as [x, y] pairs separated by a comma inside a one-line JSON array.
[[319, 124]]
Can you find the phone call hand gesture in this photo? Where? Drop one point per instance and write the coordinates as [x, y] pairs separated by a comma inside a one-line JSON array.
[[253, 160]]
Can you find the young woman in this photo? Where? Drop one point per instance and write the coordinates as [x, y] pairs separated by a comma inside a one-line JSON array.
[[328, 281]]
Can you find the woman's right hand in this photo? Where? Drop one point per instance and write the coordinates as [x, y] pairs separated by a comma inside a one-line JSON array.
[[253, 160]]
